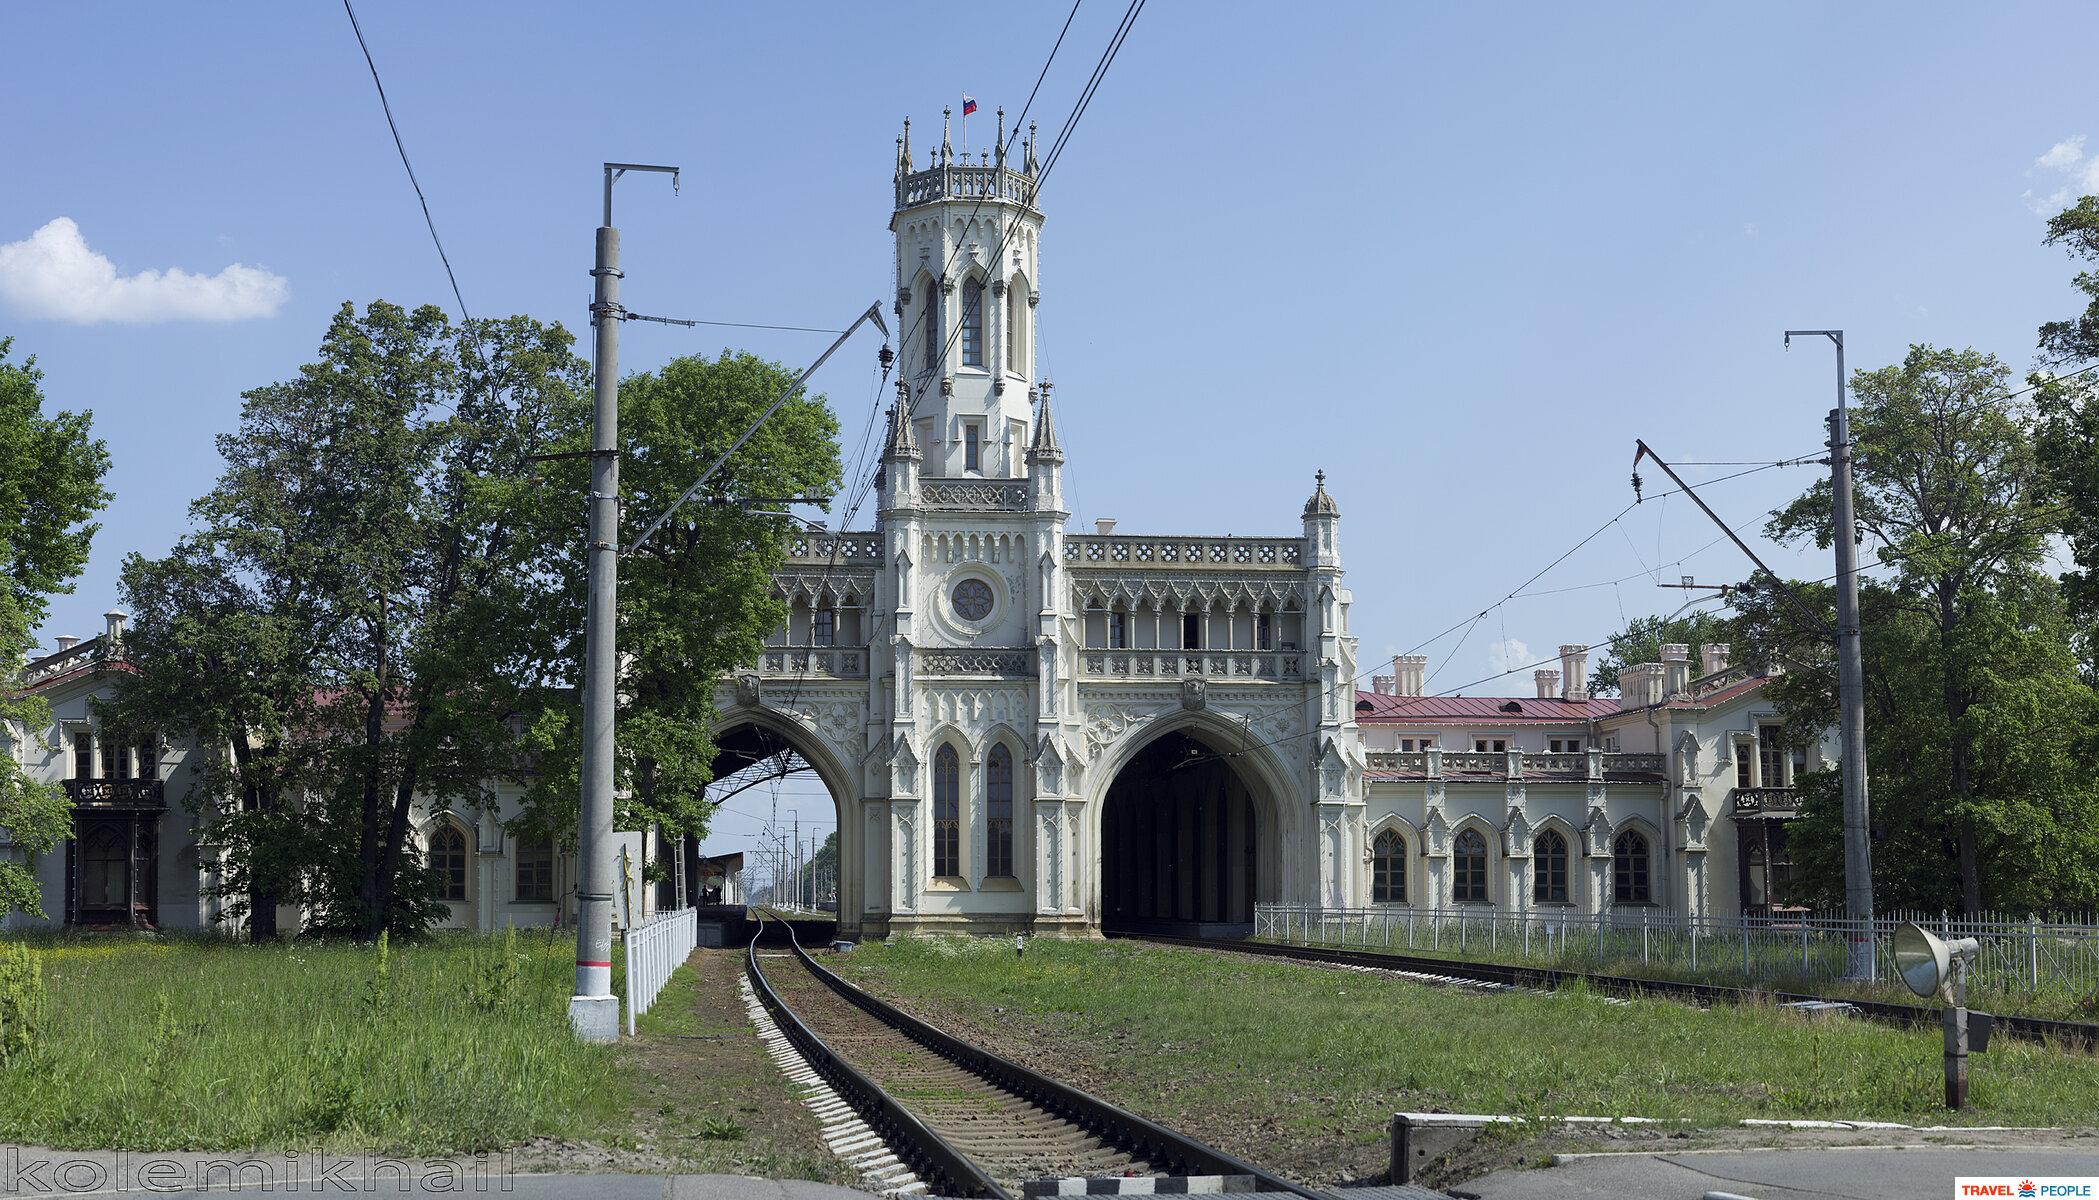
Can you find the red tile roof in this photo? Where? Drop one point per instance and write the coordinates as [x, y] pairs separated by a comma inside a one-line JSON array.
[[1422, 710]]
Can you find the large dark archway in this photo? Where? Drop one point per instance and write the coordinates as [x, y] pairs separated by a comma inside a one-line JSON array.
[[756, 749], [1180, 840]]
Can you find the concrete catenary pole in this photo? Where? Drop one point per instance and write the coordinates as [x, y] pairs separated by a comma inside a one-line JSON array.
[[593, 1011], [1851, 682]]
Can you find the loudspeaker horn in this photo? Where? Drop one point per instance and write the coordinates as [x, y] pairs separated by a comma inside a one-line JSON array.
[[1921, 958]]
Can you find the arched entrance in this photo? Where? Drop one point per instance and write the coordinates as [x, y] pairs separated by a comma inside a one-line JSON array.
[[1181, 842], [754, 748]]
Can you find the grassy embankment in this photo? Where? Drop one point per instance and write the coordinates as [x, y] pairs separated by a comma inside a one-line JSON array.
[[1172, 1033], [455, 1045]]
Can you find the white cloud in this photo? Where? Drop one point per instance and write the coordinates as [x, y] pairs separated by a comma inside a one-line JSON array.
[[1507, 655], [2081, 175], [53, 274]]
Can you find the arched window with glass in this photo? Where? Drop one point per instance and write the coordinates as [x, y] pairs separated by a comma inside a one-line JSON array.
[[972, 323], [1468, 868], [1388, 868], [1629, 868], [998, 810], [1549, 867], [448, 859], [947, 813]]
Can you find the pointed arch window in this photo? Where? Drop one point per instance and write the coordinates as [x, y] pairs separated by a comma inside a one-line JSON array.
[[448, 859], [931, 320], [1629, 868], [972, 323], [1388, 868], [1550, 865], [998, 807], [1016, 325], [947, 812], [1468, 868]]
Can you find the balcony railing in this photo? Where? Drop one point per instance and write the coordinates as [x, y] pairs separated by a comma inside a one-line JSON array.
[[962, 182], [53, 665], [841, 549], [1461, 764], [1765, 802], [821, 662], [1272, 665], [120, 793], [1212, 554], [1012, 662]]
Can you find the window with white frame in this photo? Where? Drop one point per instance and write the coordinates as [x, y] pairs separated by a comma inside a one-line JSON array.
[[947, 812], [1412, 745], [823, 627], [448, 860], [1629, 868], [1772, 758], [972, 323], [1490, 743], [1549, 867], [1572, 745], [1118, 630], [972, 446]]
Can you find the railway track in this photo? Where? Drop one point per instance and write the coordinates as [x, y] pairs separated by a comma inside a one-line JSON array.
[[965, 1121], [2033, 1029]]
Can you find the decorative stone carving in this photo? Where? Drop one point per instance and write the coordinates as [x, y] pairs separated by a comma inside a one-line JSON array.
[[747, 689], [990, 497], [1107, 722], [1195, 694], [1011, 663]]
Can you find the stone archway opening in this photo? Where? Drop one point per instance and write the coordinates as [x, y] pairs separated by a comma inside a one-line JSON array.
[[752, 760], [1181, 842]]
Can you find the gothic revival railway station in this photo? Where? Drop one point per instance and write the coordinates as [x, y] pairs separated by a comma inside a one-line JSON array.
[[1029, 728]]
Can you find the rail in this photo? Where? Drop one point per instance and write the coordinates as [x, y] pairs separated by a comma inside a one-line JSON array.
[[944, 1169], [654, 948], [1154, 1142]]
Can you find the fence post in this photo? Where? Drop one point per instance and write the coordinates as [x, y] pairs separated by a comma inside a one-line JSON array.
[[2033, 951]]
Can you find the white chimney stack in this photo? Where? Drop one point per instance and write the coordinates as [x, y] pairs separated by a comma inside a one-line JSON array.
[[1574, 673], [1104, 526], [1641, 685], [1676, 671], [1409, 673], [1548, 684], [1715, 656], [115, 619], [66, 641]]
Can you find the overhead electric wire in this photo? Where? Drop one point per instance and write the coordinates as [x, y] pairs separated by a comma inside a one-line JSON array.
[[424, 201]]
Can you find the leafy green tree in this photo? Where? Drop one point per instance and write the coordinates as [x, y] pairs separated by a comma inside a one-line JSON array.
[[697, 602], [352, 617], [50, 486], [2076, 230], [2068, 439], [1970, 678], [1642, 639]]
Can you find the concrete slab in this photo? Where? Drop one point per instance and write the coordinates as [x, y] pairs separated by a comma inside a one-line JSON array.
[[1860, 1173]]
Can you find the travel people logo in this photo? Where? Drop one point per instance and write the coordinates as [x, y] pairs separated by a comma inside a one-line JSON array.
[[2027, 1188]]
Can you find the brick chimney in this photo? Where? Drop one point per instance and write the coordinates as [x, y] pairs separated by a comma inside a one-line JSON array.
[[1676, 671], [1715, 656], [1548, 684], [1574, 673]]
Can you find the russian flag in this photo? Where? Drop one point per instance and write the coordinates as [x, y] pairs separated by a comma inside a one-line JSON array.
[[968, 105]]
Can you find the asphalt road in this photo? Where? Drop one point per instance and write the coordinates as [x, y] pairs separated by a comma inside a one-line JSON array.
[[1861, 1173]]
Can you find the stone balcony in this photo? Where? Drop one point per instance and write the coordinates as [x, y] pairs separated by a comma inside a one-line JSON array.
[[1286, 666], [816, 662], [835, 549], [1184, 553], [960, 181], [1595, 766]]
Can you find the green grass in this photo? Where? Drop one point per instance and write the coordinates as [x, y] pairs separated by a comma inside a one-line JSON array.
[[460, 1044], [1177, 1031]]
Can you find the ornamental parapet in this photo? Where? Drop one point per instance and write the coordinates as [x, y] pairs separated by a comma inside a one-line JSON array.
[[1274, 666], [1463, 766], [1188, 553], [814, 662], [974, 497], [959, 182], [1008, 662], [842, 549]]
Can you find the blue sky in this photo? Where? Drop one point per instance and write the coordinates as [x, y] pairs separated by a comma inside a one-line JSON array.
[[1458, 257]]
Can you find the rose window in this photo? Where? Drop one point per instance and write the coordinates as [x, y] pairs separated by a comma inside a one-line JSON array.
[[972, 599]]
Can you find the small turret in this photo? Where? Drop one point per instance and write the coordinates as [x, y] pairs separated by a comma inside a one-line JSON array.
[[1001, 136], [1028, 165], [1045, 457], [903, 152], [1322, 529], [900, 456]]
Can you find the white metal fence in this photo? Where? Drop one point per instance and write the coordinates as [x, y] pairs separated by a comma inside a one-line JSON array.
[[655, 948], [2028, 956]]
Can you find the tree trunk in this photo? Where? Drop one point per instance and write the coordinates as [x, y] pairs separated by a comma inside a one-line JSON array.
[[1971, 875]]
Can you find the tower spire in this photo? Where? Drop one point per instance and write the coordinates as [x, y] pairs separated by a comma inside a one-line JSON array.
[[1045, 448], [903, 151], [1002, 135], [1029, 165], [947, 150], [901, 442]]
